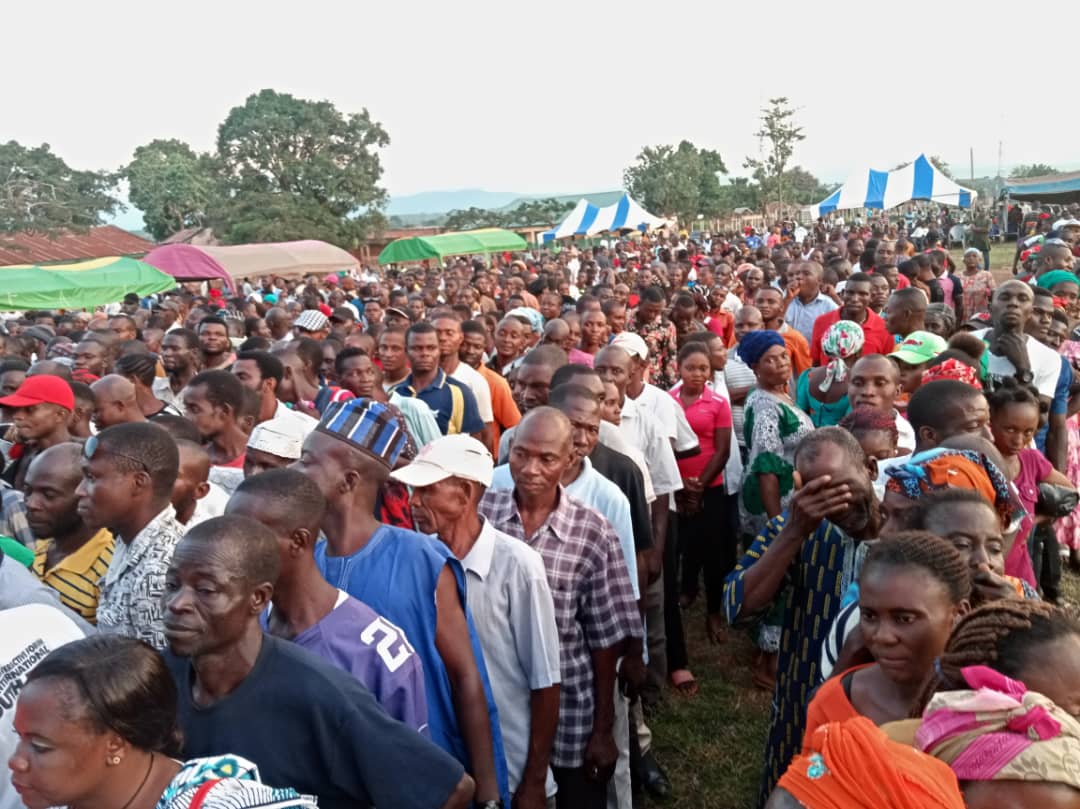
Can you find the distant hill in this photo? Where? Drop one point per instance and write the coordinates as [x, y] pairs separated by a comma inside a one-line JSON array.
[[436, 202], [430, 207]]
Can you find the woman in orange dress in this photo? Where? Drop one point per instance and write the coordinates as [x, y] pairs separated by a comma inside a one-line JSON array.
[[913, 588]]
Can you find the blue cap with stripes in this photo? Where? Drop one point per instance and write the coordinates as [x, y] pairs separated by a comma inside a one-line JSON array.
[[367, 425]]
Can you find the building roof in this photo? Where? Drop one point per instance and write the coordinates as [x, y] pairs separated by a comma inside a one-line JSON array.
[[108, 240]]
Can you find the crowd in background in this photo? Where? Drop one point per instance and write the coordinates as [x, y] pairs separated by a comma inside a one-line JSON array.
[[427, 535]]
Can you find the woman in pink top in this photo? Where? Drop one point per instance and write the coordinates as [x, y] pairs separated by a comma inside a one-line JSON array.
[[702, 502]]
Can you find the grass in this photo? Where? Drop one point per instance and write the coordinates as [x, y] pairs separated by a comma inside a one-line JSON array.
[[711, 745]]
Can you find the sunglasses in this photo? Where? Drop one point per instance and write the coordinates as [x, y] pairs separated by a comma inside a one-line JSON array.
[[91, 447]]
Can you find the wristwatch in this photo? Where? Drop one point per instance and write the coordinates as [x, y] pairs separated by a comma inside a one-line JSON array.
[[1026, 377]]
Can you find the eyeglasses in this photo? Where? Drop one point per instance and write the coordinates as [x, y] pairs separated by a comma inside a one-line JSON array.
[[91, 447]]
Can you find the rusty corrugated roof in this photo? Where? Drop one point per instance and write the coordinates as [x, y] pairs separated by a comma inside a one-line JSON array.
[[108, 240]]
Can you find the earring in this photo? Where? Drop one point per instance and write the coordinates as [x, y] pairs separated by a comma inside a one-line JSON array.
[[114, 760]]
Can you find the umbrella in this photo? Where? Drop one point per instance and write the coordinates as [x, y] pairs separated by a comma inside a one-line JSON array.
[[80, 284], [467, 242]]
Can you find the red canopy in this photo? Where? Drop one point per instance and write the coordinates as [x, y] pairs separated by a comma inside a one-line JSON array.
[[186, 262]]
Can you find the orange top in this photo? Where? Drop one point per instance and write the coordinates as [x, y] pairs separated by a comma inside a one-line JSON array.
[[799, 350], [830, 704], [502, 404]]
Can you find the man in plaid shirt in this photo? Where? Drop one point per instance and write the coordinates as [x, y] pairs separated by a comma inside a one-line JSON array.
[[594, 600]]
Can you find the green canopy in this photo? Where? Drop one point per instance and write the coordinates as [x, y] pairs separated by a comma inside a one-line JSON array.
[[465, 243], [78, 285]]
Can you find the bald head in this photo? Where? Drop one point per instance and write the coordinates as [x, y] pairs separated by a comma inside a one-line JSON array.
[[542, 441], [59, 463], [115, 402], [556, 330], [52, 505]]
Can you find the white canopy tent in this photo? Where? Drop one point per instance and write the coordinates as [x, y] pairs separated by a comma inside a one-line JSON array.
[[588, 220], [882, 190]]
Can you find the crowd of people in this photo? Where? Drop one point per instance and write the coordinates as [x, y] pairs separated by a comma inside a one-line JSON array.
[[428, 536]]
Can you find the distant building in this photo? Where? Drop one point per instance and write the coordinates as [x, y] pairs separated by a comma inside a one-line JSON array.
[[100, 242]]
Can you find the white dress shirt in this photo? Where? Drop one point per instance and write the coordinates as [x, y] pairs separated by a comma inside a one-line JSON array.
[[514, 617]]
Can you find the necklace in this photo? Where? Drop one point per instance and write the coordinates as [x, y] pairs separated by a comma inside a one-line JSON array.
[[146, 778]]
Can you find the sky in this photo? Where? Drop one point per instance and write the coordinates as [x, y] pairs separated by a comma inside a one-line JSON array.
[[552, 96]]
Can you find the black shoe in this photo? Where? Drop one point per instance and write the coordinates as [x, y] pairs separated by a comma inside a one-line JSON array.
[[656, 782]]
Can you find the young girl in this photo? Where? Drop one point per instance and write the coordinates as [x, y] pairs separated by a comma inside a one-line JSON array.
[[913, 588], [703, 502], [1014, 420]]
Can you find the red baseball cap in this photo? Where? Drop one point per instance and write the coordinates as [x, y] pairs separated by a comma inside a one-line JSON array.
[[41, 389]]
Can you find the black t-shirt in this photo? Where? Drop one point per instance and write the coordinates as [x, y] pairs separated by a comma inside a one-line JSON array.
[[313, 727], [624, 473]]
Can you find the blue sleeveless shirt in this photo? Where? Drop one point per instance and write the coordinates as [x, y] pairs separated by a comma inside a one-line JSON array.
[[396, 574]]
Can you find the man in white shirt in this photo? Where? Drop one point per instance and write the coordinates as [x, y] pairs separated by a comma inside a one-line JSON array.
[[1012, 353], [448, 331], [31, 631], [510, 600]]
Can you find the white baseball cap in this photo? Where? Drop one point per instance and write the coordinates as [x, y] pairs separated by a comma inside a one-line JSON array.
[[451, 456], [632, 344]]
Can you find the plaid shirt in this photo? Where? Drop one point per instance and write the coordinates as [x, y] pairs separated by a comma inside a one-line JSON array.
[[594, 602], [13, 516]]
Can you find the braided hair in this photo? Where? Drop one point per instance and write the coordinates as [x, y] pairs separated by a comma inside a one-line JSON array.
[[1001, 635], [863, 420], [926, 551]]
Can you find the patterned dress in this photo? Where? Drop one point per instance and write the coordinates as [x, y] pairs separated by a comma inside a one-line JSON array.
[[1068, 528], [978, 290], [227, 782], [659, 336], [773, 428]]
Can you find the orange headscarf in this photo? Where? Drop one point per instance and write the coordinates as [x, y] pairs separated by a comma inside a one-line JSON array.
[[856, 766]]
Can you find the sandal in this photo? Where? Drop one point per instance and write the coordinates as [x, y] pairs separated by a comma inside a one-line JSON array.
[[684, 683]]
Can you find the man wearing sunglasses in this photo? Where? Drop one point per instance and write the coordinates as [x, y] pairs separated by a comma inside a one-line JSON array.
[[128, 473]]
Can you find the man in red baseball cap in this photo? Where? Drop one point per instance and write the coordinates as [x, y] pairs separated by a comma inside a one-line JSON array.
[[41, 408]]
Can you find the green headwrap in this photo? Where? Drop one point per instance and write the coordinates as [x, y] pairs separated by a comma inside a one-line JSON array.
[[1054, 277]]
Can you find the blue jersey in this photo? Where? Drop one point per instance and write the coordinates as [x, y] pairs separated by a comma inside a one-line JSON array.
[[396, 574]]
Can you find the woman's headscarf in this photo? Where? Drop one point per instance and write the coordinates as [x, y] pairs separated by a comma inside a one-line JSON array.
[[854, 765], [953, 369], [1000, 731], [755, 343], [943, 468], [844, 339], [1054, 277]]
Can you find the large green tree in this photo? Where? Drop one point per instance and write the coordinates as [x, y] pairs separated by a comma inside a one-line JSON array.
[[677, 181], [40, 193], [171, 185], [294, 168], [797, 185], [1032, 170], [779, 130]]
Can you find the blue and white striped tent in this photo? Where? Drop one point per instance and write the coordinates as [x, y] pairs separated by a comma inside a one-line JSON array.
[[882, 190], [588, 220]]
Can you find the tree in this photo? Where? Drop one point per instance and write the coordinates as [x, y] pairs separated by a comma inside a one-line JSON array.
[[530, 213], [779, 129], [935, 160], [40, 193], [294, 168], [1033, 170], [740, 192], [677, 180], [472, 218], [800, 187], [171, 185]]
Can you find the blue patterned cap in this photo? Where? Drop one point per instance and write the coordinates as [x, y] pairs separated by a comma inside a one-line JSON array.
[[368, 426]]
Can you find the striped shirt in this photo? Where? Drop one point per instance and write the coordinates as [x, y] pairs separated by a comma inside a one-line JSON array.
[[77, 577]]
